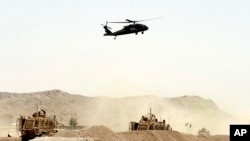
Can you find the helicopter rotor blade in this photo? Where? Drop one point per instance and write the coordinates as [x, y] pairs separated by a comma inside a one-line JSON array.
[[143, 20], [119, 22], [131, 21], [128, 20]]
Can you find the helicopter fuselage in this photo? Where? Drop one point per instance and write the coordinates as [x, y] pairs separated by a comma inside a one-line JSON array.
[[131, 28]]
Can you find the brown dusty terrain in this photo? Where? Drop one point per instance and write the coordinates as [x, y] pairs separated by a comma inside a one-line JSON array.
[[102, 133]]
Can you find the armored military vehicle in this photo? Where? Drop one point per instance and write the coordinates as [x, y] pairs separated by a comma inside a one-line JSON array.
[[203, 132], [149, 122], [37, 125]]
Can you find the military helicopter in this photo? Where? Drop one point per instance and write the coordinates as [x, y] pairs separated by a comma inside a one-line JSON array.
[[134, 27]]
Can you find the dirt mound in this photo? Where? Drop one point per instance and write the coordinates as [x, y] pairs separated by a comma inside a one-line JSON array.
[[220, 138], [160, 135], [99, 133], [102, 133], [61, 139]]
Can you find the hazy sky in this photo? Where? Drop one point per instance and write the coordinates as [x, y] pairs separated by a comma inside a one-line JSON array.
[[199, 47]]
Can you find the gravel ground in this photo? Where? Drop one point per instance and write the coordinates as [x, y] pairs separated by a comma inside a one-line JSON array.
[[102, 133]]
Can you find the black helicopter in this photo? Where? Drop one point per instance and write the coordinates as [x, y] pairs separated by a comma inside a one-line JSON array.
[[128, 29]]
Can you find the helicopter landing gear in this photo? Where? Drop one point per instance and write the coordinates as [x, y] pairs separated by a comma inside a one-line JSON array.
[[142, 32], [136, 33], [115, 38]]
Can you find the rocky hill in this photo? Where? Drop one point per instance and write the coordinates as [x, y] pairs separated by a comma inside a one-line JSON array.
[[116, 113]]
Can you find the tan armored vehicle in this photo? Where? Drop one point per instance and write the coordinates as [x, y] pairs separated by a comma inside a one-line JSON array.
[[149, 122], [37, 125]]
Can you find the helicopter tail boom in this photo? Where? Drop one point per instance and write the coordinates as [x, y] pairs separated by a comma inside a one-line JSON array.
[[108, 32]]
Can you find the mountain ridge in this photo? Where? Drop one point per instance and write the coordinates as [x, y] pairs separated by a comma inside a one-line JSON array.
[[115, 112]]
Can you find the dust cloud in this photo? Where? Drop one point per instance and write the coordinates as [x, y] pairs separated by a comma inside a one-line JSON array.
[[116, 113]]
